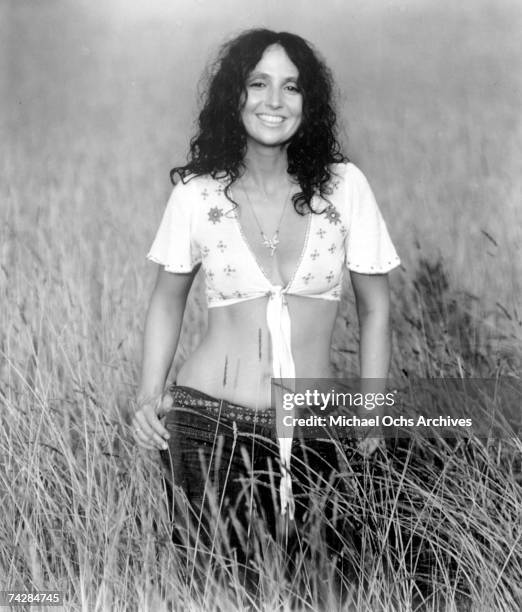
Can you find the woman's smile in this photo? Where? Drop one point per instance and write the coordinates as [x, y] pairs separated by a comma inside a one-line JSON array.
[[271, 119]]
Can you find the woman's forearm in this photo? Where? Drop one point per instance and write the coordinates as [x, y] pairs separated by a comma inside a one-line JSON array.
[[160, 340], [374, 356], [375, 344]]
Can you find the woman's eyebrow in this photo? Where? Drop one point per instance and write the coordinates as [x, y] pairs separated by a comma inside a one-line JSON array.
[[266, 75]]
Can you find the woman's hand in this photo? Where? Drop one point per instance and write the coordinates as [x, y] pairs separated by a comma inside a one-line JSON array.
[[367, 446], [147, 422]]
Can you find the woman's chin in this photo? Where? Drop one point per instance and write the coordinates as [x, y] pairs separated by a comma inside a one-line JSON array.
[[269, 143]]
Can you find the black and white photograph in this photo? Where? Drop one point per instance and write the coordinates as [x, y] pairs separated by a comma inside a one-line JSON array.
[[261, 305]]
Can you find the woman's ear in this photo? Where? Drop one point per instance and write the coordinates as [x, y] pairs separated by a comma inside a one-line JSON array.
[[243, 98]]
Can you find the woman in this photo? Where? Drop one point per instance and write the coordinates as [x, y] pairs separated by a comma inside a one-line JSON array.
[[272, 211]]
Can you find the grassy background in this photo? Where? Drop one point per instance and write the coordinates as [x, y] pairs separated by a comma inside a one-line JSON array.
[[98, 103]]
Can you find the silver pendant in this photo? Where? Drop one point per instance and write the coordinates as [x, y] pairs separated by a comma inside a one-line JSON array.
[[271, 243]]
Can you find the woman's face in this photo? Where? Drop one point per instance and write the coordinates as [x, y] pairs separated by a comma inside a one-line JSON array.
[[273, 109]]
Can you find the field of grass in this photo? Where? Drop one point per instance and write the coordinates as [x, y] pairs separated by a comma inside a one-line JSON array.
[[96, 112]]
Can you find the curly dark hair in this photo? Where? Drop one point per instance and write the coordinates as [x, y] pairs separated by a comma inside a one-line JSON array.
[[219, 146]]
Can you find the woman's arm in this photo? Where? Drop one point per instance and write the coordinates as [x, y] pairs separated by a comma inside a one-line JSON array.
[[372, 295], [160, 340]]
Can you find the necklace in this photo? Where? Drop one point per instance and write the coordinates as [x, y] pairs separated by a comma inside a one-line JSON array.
[[269, 243]]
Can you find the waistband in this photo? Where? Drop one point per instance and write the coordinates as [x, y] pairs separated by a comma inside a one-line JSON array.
[[193, 398]]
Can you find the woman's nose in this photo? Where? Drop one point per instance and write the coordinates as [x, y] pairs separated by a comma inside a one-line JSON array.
[[274, 97]]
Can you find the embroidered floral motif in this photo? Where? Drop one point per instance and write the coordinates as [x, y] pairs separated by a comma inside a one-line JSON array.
[[205, 251], [229, 270], [335, 293], [215, 214], [219, 190], [332, 248], [314, 255], [205, 193], [221, 246], [238, 294], [209, 274], [307, 278], [330, 276], [332, 214], [321, 232], [343, 230]]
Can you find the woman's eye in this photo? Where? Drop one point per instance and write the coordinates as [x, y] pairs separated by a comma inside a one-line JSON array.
[[293, 88], [256, 84]]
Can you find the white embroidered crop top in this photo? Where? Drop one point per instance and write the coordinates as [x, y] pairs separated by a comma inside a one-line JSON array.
[[200, 225]]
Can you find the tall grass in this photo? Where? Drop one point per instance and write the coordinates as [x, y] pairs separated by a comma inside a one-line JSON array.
[[437, 525]]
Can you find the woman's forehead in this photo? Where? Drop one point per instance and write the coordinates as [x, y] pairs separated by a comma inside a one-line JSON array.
[[275, 61]]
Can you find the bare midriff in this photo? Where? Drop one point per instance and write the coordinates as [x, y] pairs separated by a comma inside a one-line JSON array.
[[234, 360]]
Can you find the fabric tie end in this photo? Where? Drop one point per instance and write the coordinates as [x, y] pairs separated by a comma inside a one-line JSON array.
[[287, 496]]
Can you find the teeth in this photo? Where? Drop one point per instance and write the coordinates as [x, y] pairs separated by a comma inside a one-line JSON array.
[[271, 118]]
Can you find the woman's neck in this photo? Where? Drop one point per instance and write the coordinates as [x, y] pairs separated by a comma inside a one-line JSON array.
[[266, 168]]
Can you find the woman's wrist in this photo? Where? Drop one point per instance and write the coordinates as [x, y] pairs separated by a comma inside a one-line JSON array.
[[147, 396]]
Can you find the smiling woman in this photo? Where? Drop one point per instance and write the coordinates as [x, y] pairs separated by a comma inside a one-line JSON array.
[[273, 276], [273, 108]]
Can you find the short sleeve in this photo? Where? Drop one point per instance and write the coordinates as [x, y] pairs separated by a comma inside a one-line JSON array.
[[368, 246], [174, 245]]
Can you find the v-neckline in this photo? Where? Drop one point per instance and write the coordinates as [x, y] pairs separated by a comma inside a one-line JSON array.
[[258, 264]]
